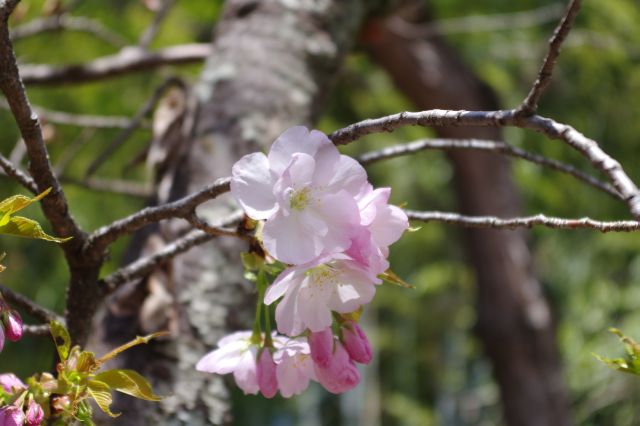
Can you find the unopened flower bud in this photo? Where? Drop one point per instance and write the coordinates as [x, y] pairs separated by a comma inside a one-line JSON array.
[[266, 374], [321, 345], [35, 414], [13, 326], [341, 374], [356, 343], [61, 403]]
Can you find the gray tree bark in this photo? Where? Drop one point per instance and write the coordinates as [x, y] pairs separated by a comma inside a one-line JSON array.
[[272, 66], [514, 320]]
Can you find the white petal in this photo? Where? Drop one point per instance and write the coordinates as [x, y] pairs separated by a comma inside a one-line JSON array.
[[347, 175], [287, 315], [245, 372], [296, 140], [313, 308], [223, 360], [280, 286], [389, 224], [288, 240], [252, 186]]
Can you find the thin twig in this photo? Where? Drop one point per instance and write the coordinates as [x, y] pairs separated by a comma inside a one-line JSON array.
[[120, 187], [18, 175], [494, 222], [217, 231], [484, 145], [80, 120], [530, 103], [128, 60], [29, 306], [63, 21], [144, 266], [71, 151], [40, 330], [134, 123], [181, 208], [477, 23], [55, 204], [152, 30], [552, 129]]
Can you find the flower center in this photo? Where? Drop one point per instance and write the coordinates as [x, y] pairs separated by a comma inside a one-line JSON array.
[[323, 274], [299, 199]]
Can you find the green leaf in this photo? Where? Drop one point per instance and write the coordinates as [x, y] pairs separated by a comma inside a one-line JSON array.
[[137, 341], [251, 261], [101, 394], [629, 365], [391, 277], [18, 202], [61, 339], [19, 226], [129, 382], [87, 362]]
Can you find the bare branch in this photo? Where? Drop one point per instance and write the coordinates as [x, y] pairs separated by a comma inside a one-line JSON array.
[[29, 306], [530, 103], [484, 145], [181, 208], [587, 147], [143, 267], [150, 33], [55, 204], [59, 22], [80, 120], [216, 231], [477, 23], [128, 60], [18, 175], [37, 330], [134, 123], [121, 187], [524, 222]]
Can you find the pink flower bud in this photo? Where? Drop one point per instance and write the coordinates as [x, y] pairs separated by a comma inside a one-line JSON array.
[[35, 414], [266, 374], [341, 374], [13, 326], [10, 383], [321, 345], [10, 415], [1, 337], [356, 343]]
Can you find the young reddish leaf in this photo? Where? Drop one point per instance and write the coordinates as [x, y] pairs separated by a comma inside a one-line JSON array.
[[61, 339], [129, 382], [87, 362], [101, 394]]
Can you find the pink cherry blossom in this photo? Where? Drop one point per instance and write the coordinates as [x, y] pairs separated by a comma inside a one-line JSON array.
[[10, 415], [305, 190], [321, 345], [341, 374], [11, 383], [312, 291], [266, 374], [235, 354], [356, 343], [386, 222], [294, 367]]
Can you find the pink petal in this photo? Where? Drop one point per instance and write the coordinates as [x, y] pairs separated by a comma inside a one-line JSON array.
[[281, 284], [245, 372], [252, 186], [389, 225]]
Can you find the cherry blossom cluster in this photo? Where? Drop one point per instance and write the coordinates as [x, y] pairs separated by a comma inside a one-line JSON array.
[[322, 219], [10, 324], [23, 410]]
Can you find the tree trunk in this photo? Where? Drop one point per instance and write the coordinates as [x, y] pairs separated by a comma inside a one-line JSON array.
[[513, 318], [272, 65]]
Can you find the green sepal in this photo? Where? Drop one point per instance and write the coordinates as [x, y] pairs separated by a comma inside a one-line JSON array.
[[129, 382], [391, 277], [629, 365]]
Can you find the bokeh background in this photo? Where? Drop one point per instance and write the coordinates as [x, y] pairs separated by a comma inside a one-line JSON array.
[[429, 366]]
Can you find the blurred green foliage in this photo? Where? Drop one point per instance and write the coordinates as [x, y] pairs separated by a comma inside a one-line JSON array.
[[429, 368]]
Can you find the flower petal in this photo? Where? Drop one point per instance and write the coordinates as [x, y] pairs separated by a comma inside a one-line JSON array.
[[288, 240], [252, 186], [298, 139]]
